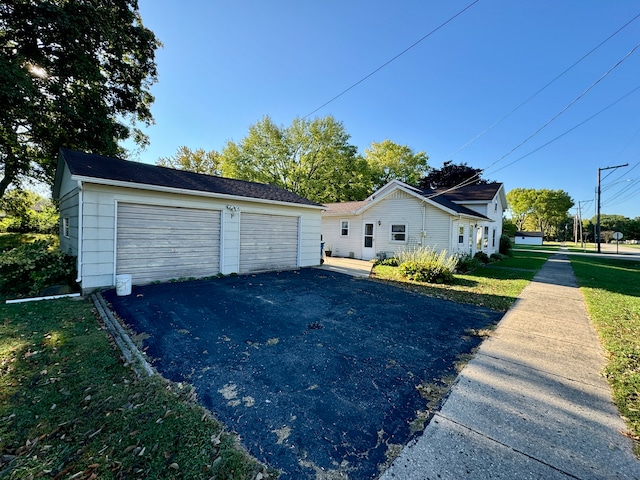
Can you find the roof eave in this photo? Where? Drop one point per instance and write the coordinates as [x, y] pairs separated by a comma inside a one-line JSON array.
[[185, 191]]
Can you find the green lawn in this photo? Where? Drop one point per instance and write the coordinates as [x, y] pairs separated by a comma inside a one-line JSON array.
[[69, 408], [495, 286], [612, 292]]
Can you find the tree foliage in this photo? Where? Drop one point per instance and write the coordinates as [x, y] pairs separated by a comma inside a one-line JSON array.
[[452, 175], [388, 161], [26, 211], [73, 73], [198, 161], [545, 209], [312, 158]]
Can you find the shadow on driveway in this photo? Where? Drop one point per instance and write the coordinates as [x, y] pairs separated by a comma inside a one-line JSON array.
[[317, 371]]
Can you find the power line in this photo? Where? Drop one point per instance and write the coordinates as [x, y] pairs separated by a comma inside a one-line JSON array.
[[394, 58], [573, 102], [543, 88], [565, 132]]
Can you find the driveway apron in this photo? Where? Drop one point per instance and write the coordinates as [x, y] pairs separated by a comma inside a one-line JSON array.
[[319, 373]]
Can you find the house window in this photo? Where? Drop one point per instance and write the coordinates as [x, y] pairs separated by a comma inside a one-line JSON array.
[[65, 227], [495, 206], [344, 228], [461, 234], [486, 236], [494, 238], [398, 232]]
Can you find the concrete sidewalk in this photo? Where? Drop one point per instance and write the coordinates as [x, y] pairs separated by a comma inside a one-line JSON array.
[[348, 266], [532, 403]]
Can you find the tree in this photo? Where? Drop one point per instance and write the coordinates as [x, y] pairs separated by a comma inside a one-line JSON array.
[[196, 160], [72, 73], [312, 158], [388, 161], [520, 201], [27, 211], [452, 175], [544, 209]]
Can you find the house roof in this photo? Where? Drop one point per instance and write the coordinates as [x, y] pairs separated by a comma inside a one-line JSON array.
[[472, 193], [112, 170], [442, 200]]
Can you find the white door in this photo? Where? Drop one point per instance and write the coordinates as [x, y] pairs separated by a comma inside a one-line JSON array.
[[159, 243], [268, 242], [368, 241]]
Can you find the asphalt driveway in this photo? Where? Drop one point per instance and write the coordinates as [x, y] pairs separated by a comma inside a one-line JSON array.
[[318, 372]]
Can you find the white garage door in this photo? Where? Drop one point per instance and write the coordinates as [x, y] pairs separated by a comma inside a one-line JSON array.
[[268, 242], [158, 243]]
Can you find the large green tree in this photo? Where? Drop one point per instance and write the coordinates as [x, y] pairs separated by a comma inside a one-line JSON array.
[[388, 161], [544, 208], [73, 73], [312, 158]]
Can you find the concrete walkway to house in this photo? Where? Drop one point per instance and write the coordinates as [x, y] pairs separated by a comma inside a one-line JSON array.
[[532, 403], [348, 266]]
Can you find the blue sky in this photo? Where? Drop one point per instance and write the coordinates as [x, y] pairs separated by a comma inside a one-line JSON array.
[[227, 63]]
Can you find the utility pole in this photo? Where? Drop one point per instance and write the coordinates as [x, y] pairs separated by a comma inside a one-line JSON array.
[[598, 192]]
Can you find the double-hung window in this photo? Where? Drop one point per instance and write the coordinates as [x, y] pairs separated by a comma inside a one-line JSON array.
[[398, 232], [461, 234], [344, 228], [65, 227]]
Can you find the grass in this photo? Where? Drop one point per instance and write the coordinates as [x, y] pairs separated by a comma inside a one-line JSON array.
[[69, 407], [494, 288], [612, 294]]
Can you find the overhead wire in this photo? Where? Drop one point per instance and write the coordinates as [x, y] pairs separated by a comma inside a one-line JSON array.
[[393, 58], [473, 178], [544, 87]]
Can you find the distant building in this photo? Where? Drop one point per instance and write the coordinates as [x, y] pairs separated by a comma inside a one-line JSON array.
[[529, 238]]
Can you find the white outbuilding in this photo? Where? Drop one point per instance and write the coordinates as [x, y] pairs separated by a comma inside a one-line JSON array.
[[156, 224]]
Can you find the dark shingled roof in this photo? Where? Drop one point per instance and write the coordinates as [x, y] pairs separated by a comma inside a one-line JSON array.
[[471, 193], [116, 169]]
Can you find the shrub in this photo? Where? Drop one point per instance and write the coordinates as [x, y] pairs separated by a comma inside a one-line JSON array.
[[482, 257], [497, 257], [505, 245], [27, 269], [467, 263], [390, 261], [425, 265]]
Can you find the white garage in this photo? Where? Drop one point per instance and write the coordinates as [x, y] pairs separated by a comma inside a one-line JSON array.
[[156, 224]]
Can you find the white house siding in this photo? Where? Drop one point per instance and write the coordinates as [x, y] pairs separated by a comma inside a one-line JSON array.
[[396, 208], [493, 210], [99, 227]]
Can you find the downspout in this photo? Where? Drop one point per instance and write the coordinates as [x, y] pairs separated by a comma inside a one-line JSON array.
[[80, 215], [423, 233]]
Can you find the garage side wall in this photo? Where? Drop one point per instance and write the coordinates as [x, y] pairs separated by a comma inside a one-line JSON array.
[[100, 219]]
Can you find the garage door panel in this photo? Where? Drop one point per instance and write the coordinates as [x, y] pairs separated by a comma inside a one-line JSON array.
[[268, 242], [159, 243]]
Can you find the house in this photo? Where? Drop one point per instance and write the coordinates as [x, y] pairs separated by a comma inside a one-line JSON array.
[[156, 223], [529, 238], [399, 216]]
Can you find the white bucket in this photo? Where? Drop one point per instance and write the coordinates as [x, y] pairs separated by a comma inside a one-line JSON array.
[[123, 285]]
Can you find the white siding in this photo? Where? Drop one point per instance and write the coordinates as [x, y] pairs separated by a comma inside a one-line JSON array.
[[426, 225], [69, 210]]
